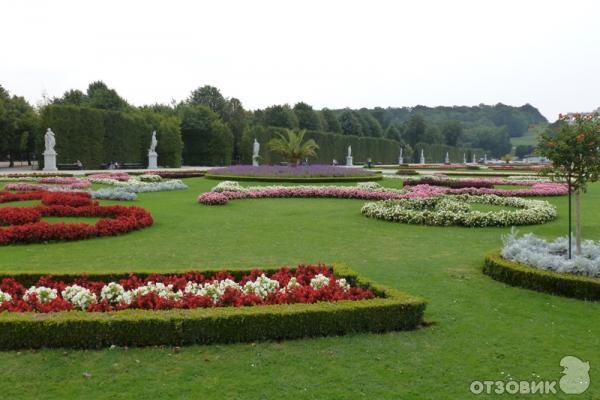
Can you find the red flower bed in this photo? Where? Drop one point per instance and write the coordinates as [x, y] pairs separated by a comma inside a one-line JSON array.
[[25, 225], [304, 284]]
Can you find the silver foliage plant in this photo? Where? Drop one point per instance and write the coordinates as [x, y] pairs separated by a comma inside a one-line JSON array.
[[113, 194], [552, 255]]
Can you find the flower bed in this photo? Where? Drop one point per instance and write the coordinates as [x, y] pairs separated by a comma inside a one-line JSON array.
[[302, 173], [178, 174], [26, 225], [521, 275], [52, 183], [135, 185], [478, 187], [553, 256], [456, 210], [229, 190], [117, 176], [198, 307]]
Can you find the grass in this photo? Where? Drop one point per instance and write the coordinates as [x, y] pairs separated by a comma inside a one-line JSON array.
[[529, 138], [482, 329]]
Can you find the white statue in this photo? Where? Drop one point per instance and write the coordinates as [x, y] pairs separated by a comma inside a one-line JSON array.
[[49, 153], [401, 158], [49, 141], [153, 143], [349, 161], [485, 158], [422, 157], [255, 150], [447, 160], [464, 158], [474, 159]]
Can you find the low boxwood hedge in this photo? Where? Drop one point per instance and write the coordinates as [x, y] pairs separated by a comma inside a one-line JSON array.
[[392, 310], [321, 179], [561, 284]]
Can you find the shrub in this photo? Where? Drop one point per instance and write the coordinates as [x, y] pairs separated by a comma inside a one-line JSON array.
[[521, 275]]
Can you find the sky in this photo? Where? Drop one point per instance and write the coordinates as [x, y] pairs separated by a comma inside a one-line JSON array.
[[327, 53]]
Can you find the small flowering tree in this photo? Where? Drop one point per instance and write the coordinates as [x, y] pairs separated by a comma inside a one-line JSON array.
[[574, 151]]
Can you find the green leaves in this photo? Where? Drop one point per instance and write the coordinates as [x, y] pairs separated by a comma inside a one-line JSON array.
[[293, 147]]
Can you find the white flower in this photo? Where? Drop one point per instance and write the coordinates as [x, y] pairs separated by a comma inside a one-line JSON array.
[[78, 296], [319, 281], [262, 286], [214, 289], [115, 294], [292, 283], [44, 294], [343, 284], [161, 290], [4, 297]]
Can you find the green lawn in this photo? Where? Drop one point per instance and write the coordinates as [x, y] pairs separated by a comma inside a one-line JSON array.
[[482, 329]]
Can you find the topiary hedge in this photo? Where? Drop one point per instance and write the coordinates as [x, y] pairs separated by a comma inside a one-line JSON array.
[[521, 275], [393, 310], [320, 179]]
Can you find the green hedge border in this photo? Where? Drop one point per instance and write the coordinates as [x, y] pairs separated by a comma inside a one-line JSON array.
[[521, 275], [79, 329], [377, 177]]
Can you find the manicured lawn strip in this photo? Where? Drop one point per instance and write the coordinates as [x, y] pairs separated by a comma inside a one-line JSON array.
[[391, 310], [521, 275], [376, 177]]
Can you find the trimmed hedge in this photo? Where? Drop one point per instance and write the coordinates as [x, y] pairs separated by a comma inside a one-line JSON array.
[[521, 275], [96, 136], [320, 179], [394, 310]]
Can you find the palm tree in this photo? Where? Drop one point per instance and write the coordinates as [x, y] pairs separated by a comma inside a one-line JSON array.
[[293, 147]]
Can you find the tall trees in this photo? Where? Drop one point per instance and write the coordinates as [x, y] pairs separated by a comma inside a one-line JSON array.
[[350, 124], [307, 117], [207, 140], [18, 126], [281, 116], [100, 96], [211, 97], [452, 132], [330, 121], [415, 129]]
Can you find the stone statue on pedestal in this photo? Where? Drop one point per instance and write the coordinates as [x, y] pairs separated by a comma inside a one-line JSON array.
[[152, 155], [49, 152], [349, 161], [255, 150]]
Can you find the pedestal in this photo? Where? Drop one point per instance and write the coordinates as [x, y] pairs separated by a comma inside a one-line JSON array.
[[152, 160], [255, 161], [422, 161], [50, 161], [349, 162]]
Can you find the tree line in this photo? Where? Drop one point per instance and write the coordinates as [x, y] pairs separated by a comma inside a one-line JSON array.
[[208, 128]]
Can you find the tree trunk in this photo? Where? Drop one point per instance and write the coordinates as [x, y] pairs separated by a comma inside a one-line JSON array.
[[578, 221]]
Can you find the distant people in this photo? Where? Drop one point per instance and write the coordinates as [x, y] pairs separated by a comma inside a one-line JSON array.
[[79, 164], [334, 163], [111, 165], [117, 166], [369, 162]]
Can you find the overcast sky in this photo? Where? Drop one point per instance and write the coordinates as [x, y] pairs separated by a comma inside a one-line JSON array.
[[327, 53]]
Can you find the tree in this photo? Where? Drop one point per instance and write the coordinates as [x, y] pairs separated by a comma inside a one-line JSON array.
[[237, 124], [523, 150], [281, 116], [350, 123], [330, 121], [370, 126], [433, 135], [394, 132], [100, 96], [293, 147], [206, 139], [452, 132], [415, 129], [211, 97], [307, 117], [573, 150], [507, 158], [18, 125]]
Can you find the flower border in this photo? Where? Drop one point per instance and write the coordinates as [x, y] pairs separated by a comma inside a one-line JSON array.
[[449, 210], [391, 312]]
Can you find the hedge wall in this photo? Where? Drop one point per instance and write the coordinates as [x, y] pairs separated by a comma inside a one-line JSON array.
[[392, 311], [521, 275], [331, 146], [436, 153], [96, 136]]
